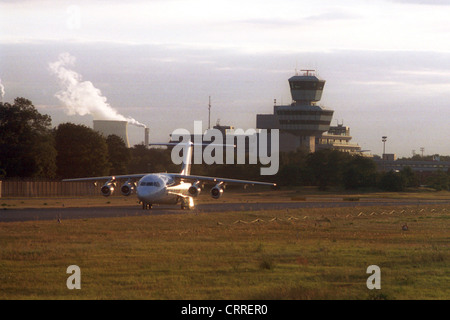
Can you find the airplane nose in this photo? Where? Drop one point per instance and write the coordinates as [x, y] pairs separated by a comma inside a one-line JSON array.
[[144, 194], [148, 194]]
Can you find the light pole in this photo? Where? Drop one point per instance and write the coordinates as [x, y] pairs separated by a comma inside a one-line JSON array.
[[384, 138]]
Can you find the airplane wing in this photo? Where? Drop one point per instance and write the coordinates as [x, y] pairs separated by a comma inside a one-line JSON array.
[[128, 176], [194, 178]]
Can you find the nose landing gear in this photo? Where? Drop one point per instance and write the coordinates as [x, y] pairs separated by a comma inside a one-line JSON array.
[[146, 206]]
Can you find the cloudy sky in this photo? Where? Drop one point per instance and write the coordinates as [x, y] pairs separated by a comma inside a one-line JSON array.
[[386, 62]]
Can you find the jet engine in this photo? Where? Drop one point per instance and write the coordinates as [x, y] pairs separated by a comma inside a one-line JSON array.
[[108, 188], [217, 191], [195, 189], [127, 188]]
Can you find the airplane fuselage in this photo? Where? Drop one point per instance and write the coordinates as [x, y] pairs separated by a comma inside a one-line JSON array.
[[161, 188]]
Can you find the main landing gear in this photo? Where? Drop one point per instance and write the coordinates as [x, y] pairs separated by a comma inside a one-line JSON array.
[[187, 203], [146, 206]]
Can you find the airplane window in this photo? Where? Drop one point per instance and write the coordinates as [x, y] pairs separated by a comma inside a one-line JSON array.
[[170, 181], [156, 184]]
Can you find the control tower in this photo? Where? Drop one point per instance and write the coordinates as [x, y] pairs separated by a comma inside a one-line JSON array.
[[301, 121]]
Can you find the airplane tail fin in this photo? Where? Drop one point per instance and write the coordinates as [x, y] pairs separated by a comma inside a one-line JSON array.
[[187, 154], [187, 158]]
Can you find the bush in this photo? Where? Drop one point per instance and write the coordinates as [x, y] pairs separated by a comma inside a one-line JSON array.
[[392, 181]]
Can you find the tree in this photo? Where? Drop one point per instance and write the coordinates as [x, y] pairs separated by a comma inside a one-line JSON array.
[[439, 180], [327, 167], [392, 181], [26, 141], [294, 170], [410, 178], [289, 175], [82, 152], [151, 160], [118, 155], [360, 172]]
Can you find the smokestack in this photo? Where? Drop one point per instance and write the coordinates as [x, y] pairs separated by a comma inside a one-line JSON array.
[[146, 137], [109, 127]]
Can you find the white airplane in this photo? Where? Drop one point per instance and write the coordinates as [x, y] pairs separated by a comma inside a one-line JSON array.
[[168, 188]]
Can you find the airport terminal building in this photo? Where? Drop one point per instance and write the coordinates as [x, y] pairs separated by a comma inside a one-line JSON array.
[[338, 138], [305, 124], [301, 122]]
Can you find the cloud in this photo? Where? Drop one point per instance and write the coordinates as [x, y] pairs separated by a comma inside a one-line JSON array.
[[333, 16], [327, 15], [425, 2], [269, 22]]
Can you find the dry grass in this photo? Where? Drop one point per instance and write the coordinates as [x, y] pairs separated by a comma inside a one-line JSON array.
[[288, 254]]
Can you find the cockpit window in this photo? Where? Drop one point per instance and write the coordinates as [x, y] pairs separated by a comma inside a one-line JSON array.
[[150, 184], [170, 181]]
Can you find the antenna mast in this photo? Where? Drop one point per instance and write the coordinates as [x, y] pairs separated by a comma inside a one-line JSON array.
[[209, 113], [308, 71]]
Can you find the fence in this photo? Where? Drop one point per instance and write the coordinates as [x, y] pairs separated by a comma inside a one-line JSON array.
[[47, 189]]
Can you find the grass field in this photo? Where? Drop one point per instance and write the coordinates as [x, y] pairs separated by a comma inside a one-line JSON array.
[[289, 254]]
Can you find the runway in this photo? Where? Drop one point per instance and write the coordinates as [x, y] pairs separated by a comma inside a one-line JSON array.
[[12, 215]]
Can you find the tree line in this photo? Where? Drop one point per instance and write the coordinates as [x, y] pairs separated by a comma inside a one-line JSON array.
[[30, 148]]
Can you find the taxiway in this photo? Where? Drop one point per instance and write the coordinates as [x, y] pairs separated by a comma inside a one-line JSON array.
[[30, 214]]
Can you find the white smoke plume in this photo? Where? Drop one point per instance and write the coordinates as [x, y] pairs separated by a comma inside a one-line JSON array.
[[2, 90], [82, 97]]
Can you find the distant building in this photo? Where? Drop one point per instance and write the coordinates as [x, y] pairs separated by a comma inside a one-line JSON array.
[[338, 138], [113, 127], [223, 129], [118, 128], [417, 166], [301, 122], [389, 156]]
